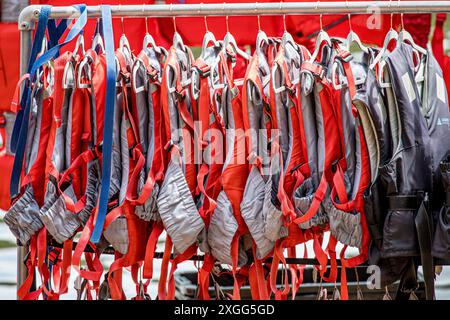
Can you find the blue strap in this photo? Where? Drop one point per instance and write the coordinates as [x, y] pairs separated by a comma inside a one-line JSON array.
[[23, 132], [55, 32], [110, 100], [35, 48]]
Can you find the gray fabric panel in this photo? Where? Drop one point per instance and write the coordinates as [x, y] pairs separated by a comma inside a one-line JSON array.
[[202, 242], [177, 209], [255, 115], [320, 128], [34, 130], [116, 162], [59, 148], [372, 143], [273, 217], [125, 157], [303, 198], [10, 119], [348, 127], [92, 189], [142, 107], [150, 130], [60, 222], [68, 136], [394, 122], [23, 217], [149, 210], [309, 123], [345, 226], [282, 105], [117, 234], [222, 229], [252, 212]]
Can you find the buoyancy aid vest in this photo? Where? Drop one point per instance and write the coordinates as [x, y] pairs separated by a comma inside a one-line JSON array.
[[258, 127], [136, 233], [407, 177], [293, 157], [435, 110], [148, 174], [207, 71], [227, 226], [176, 203]]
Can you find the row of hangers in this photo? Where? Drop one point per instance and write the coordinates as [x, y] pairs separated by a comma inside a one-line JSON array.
[[262, 40]]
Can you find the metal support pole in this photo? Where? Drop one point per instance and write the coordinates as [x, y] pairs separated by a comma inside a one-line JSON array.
[[26, 35]]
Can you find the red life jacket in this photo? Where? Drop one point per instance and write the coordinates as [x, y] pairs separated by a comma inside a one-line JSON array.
[[148, 173], [227, 227], [176, 204]]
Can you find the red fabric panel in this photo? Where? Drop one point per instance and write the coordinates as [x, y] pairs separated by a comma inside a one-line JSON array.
[[9, 63], [6, 162]]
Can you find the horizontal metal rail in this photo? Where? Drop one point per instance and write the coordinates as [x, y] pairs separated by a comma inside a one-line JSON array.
[[30, 14]]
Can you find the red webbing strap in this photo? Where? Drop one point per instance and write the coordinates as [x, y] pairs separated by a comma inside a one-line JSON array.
[[157, 229], [339, 188], [66, 266], [203, 277], [96, 274], [162, 290], [24, 289], [115, 277], [252, 279], [260, 278], [15, 103], [344, 287], [278, 256], [186, 255], [41, 255], [315, 204], [331, 250], [296, 270], [211, 204], [82, 160], [234, 260]]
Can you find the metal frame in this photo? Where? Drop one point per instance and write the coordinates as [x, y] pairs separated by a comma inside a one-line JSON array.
[[29, 16]]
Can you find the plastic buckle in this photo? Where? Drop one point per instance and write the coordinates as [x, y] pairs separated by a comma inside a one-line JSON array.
[[180, 94], [292, 90], [204, 70], [345, 56]]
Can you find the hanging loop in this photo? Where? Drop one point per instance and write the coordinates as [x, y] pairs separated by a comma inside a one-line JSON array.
[[227, 25], [146, 19], [349, 17], [173, 19], [257, 16], [121, 21], [401, 16]]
